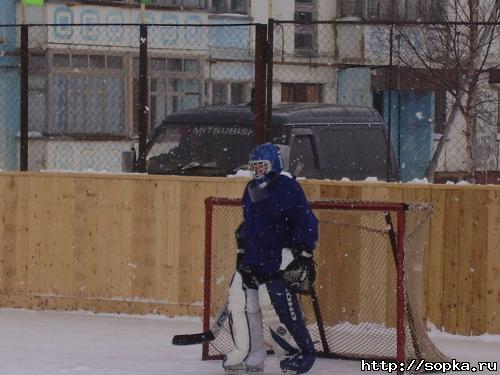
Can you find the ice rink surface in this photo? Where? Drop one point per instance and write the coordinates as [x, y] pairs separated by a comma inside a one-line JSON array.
[[53, 343]]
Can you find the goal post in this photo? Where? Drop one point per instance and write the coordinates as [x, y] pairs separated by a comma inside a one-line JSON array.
[[367, 300]]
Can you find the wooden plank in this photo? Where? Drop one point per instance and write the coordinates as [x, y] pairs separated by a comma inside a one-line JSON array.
[[175, 248], [465, 266], [125, 244], [150, 259], [136, 258], [53, 253], [225, 221], [185, 271], [422, 194], [451, 256], [62, 192], [142, 261], [378, 271], [493, 264], [479, 253], [85, 239], [9, 239], [434, 260], [14, 243], [197, 235], [192, 234], [375, 193], [339, 262], [391, 195], [339, 191], [3, 217], [109, 253], [42, 280], [311, 190], [161, 223]]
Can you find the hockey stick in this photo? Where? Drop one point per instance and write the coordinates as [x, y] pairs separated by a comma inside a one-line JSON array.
[[319, 320], [200, 338]]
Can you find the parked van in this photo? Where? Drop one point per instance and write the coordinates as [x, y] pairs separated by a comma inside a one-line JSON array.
[[325, 141]]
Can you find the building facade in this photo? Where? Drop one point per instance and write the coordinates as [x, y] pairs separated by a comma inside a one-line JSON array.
[[83, 80]]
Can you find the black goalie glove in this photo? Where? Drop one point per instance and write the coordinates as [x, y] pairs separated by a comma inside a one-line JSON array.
[[300, 274]]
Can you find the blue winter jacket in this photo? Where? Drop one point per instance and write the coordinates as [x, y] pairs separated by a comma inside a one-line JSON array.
[[280, 218]]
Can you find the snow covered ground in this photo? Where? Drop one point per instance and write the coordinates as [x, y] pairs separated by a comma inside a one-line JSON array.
[[81, 343]]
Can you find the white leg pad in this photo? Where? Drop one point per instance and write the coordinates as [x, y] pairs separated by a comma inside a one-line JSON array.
[[254, 316], [272, 320], [245, 319]]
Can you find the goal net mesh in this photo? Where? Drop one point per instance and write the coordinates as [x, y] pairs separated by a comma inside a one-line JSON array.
[[356, 284]]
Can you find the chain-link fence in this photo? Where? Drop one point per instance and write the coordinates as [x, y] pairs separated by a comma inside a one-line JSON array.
[[86, 94], [9, 98], [93, 91], [436, 86]]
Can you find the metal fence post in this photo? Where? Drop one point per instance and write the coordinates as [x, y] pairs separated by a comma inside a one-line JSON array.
[[260, 83], [143, 98], [269, 78], [389, 114], [23, 149]]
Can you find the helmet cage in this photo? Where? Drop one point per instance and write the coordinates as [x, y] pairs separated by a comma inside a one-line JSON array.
[[260, 168]]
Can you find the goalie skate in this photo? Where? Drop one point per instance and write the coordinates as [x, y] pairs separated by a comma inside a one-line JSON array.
[[242, 368]]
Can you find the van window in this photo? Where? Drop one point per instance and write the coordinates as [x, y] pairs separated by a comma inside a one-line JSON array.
[[372, 163], [354, 153], [339, 148], [302, 157], [225, 147]]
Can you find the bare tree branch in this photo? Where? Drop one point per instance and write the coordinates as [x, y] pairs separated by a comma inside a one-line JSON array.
[[454, 57]]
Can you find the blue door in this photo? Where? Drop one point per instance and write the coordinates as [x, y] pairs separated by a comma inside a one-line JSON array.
[[412, 121]]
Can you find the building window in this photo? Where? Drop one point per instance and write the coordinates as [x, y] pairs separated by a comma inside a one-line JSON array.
[[230, 92], [174, 84], [239, 93], [380, 10], [305, 30], [351, 8], [193, 3], [189, 4], [87, 94], [421, 10], [37, 93], [405, 10], [301, 92], [107, 1], [219, 93], [175, 3], [230, 6]]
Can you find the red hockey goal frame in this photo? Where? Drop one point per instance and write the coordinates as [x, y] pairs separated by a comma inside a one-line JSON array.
[[396, 238]]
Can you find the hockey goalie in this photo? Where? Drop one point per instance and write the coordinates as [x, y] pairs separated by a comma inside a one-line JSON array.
[[274, 262]]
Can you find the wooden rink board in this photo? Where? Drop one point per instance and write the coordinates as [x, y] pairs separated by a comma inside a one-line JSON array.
[[135, 243]]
